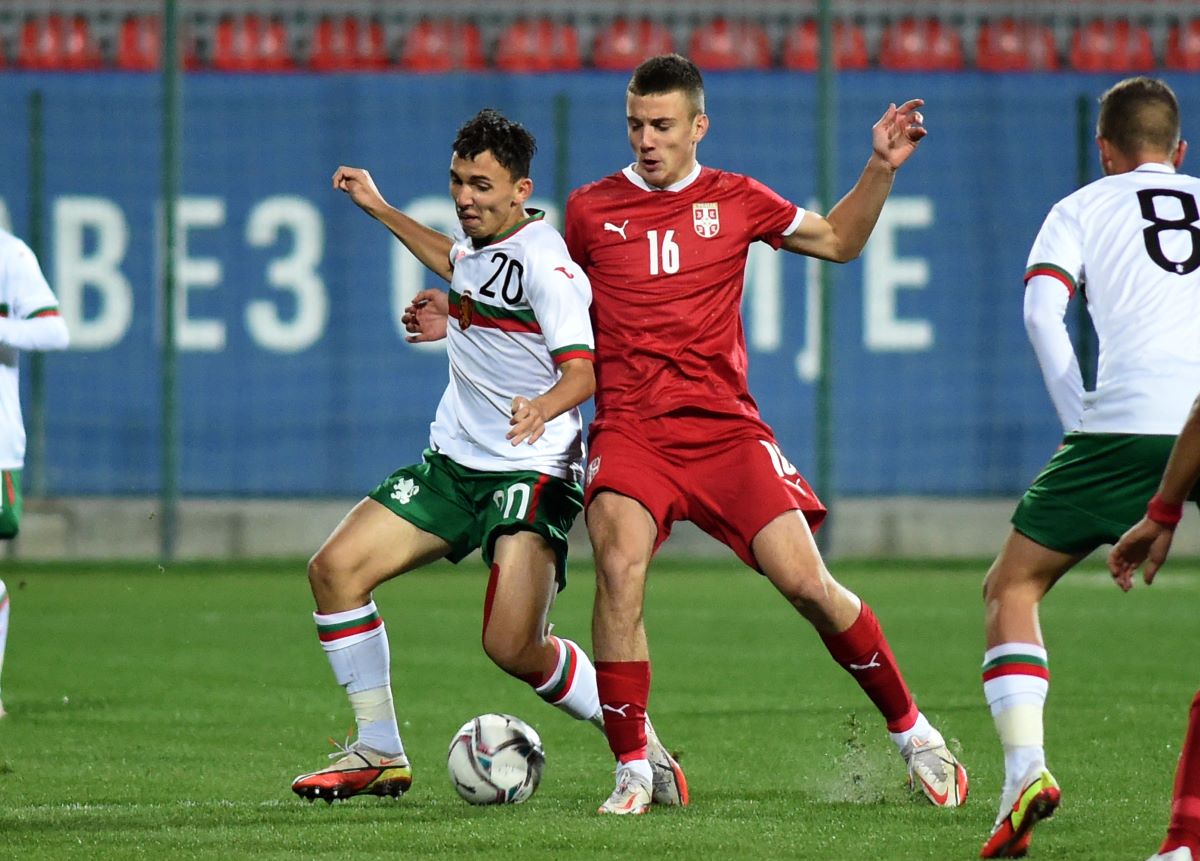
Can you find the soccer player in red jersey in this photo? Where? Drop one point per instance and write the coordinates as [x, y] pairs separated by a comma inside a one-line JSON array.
[[677, 435]]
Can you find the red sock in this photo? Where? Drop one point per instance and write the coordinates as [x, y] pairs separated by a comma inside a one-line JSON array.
[[864, 653], [1184, 828], [624, 688]]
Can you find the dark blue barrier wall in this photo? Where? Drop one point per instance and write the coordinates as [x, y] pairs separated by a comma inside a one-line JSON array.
[[294, 379]]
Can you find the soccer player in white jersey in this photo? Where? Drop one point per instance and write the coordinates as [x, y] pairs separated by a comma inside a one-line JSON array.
[[503, 469], [29, 320], [1131, 241]]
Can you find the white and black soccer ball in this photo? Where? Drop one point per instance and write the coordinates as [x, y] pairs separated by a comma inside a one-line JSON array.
[[496, 759]]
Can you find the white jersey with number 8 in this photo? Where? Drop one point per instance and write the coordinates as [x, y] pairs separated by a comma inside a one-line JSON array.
[[1132, 243]]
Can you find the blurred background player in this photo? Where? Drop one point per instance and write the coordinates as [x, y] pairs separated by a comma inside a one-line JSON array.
[[677, 435], [503, 469], [1149, 541], [29, 320], [1132, 242]]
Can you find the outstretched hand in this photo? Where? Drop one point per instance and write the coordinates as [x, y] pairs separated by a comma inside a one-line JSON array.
[[899, 130], [359, 185], [1145, 541], [426, 315]]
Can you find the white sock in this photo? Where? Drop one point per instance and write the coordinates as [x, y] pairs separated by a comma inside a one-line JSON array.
[[640, 767], [1016, 683], [356, 643], [921, 729], [572, 685]]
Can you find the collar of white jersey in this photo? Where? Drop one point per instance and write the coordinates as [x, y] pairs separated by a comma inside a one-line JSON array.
[[1154, 167], [634, 177]]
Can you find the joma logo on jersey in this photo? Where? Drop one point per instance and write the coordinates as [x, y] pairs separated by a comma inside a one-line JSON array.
[[706, 219]]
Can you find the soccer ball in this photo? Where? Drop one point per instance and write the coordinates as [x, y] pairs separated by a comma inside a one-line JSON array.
[[496, 759]]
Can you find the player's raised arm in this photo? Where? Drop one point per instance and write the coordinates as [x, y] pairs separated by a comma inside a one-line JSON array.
[[841, 235], [1149, 540], [426, 244]]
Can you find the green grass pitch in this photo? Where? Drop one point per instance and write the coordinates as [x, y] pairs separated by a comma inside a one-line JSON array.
[[163, 714]]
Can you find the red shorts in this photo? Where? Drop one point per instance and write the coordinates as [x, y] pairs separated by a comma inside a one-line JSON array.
[[730, 488]]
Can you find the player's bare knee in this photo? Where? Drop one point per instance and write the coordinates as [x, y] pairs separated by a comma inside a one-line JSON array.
[[333, 582], [320, 574], [809, 590], [812, 600], [618, 571], [516, 655]]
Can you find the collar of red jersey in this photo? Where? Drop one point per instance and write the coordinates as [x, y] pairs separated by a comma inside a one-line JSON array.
[[633, 176]]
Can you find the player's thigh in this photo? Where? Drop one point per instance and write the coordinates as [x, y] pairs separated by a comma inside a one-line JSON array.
[[623, 533], [1093, 489], [1025, 570], [786, 552], [521, 589], [372, 544], [633, 496], [741, 488], [436, 497], [10, 502], [520, 502]]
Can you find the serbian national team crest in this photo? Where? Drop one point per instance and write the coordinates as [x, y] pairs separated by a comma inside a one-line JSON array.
[[706, 218]]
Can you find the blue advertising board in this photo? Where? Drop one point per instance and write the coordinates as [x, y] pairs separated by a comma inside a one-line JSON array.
[[294, 377]]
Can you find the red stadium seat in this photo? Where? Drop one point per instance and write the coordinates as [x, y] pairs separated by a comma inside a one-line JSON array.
[[347, 44], [58, 42], [1183, 47], [443, 46], [538, 46], [1112, 46], [724, 44], [1009, 45], [921, 46], [249, 43], [623, 44], [802, 47], [139, 46]]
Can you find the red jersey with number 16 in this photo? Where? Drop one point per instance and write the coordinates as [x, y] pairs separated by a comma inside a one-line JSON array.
[[667, 269]]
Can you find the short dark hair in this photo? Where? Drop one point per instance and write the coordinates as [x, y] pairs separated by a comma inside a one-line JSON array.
[[489, 130], [1139, 114], [669, 73]]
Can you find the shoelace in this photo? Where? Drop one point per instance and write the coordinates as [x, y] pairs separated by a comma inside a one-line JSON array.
[[919, 763], [343, 749]]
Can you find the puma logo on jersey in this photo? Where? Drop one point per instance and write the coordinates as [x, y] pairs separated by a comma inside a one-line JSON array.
[[615, 229], [563, 270], [874, 662]]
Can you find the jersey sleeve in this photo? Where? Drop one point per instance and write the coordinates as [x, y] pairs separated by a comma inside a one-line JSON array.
[[560, 294], [573, 231], [27, 289], [769, 215], [1057, 251]]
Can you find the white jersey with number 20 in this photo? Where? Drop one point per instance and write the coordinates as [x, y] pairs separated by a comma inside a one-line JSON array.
[[518, 309]]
